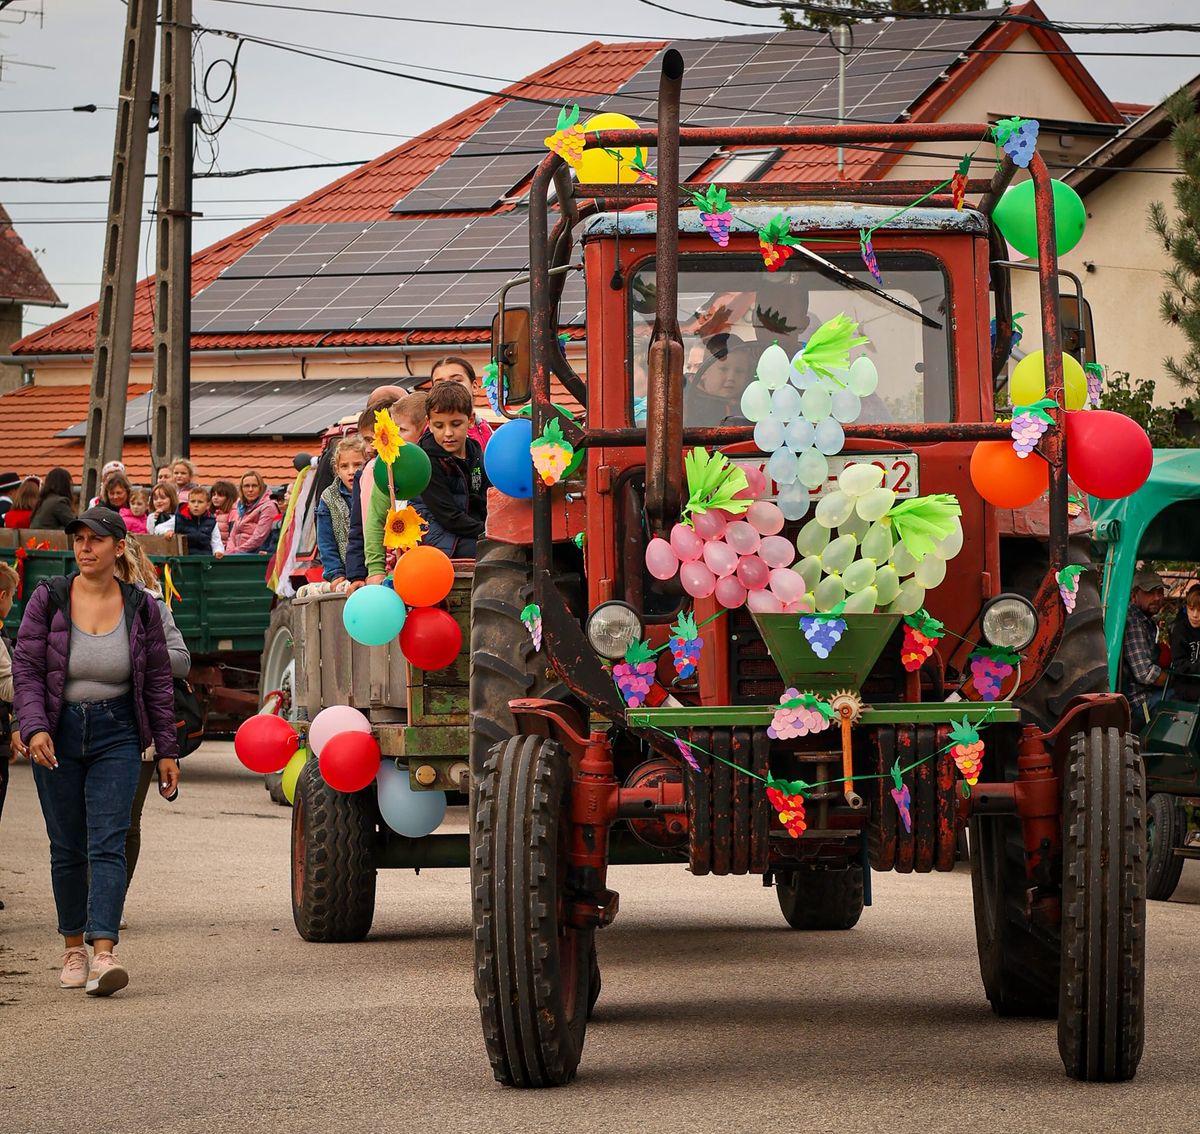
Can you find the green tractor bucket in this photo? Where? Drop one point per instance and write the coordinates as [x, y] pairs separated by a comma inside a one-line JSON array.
[[849, 661]]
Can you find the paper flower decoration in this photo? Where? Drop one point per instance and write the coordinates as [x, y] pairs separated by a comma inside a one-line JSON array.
[[867, 251], [635, 674], [967, 751], [990, 665], [387, 437], [552, 452], [491, 385], [922, 632], [715, 213], [799, 714], [824, 631], [958, 183], [685, 645], [776, 244], [531, 617], [1074, 506], [922, 522], [567, 139], [1068, 584], [713, 482], [1017, 137], [685, 750], [640, 170], [1029, 423], [788, 801], [403, 529], [827, 352], [902, 797], [1094, 373]]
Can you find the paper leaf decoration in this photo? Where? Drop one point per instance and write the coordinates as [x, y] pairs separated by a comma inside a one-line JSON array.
[[1028, 425], [799, 714], [635, 675], [551, 453], [1017, 137], [640, 170], [967, 751], [902, 797], [788, 802], [867, 251], [713, 482], [776, 243], [1068, 584], [715, 213], [958, 183], [1074, 505], [921, 634], [828, 349], [923, 521], [531, 616], [990, 666], [685, 644], [685, 750], [491, 385], [1018, 332], [567, 139]]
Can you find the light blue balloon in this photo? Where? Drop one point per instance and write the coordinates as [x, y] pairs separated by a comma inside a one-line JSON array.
[[768, 434], [374, 615], [793, 501], [799, 435], [846, 406], [830, 437], [781, 468], [414, 814], [785, 403]]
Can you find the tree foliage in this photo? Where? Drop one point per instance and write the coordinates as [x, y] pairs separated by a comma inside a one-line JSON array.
[[1169, 427], [1179, 304], [820, 21]]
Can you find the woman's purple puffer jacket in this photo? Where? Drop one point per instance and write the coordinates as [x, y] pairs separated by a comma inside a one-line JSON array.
[[40, 665]]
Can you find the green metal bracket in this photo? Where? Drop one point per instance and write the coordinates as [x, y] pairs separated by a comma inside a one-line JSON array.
[[729, 716]]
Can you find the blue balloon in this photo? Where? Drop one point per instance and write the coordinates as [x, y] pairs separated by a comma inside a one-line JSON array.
[[411, 813], [374, 615], [508, 460]]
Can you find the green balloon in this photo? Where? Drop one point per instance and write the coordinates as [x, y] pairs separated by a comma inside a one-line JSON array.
[[1016, 218], [292, 773], [563, 412], [411, 471]]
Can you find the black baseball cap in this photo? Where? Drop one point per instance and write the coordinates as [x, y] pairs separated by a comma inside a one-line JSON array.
[[103, 521]]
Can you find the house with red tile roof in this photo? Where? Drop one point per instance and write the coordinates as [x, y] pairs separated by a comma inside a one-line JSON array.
[[371, 278], [22, 284]]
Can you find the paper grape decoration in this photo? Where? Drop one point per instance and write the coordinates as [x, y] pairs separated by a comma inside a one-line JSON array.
[[531, 618], [967, 751], [902, 797], [685, 750], [1068, 584], [921, 634], [715, 213], [552, 453], [824, 631], [799, 714], [685, 644], [635, 675], [567, 139], [776, 244], [1017, 137], [990, 666], [1029, 423], [788, 801]]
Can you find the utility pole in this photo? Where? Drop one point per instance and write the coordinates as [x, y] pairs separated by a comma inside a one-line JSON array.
[[105, 437], [841, 150], [173, 268]]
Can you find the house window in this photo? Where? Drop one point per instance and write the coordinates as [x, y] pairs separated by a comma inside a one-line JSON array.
[[744, 165]]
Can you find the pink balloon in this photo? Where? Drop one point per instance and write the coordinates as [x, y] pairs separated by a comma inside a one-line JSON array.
[[765, 517], [686, 544], [742, 537], [756, 484], [720, 558], [777, 551], [697, 580], [764, 602], [787, 584], [331, 721], [792, 607], [661, 560], [730, 593], [752, 573], [710, 524]]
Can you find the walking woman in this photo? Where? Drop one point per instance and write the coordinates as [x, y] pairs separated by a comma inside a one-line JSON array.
[[256, 512], [92, 691]]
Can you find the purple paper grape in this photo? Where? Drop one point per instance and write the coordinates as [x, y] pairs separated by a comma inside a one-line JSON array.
[[1021, 143], [822, 632]]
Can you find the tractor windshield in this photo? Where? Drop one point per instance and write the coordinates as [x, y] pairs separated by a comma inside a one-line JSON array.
[[731, 309]]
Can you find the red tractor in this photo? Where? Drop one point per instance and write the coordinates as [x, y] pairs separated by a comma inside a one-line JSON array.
[[567, 777]]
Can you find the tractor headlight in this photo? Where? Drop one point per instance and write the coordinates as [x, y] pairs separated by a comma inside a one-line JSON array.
[[612, 628], [1009, 621]]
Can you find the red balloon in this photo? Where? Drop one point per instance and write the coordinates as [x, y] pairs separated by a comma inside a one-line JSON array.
[[431, 639], [349, 761], [1006, 480], [265, 743], [1108, 454]]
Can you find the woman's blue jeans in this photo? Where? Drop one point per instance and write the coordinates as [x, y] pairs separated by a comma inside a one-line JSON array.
[[86, 801]]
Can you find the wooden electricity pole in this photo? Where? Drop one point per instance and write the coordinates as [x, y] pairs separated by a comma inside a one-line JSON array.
[[173, 268], [105, 436]]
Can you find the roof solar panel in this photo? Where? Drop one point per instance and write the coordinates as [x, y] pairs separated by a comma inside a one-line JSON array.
[[296, 249], [396, 247], [469, 182]]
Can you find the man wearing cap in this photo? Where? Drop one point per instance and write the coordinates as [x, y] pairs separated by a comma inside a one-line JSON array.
[[1143, 677], [9, 482]]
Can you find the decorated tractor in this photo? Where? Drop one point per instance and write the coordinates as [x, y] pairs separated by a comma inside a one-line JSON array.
[[804, 608]]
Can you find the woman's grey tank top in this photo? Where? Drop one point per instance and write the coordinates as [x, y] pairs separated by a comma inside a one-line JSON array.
[[98, 668]]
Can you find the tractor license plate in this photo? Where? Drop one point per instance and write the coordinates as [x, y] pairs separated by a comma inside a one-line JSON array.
[[901, 472]]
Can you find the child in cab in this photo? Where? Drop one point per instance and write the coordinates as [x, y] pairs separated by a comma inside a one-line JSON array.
[[333, 510], [198, 525], [410, 416], [164, 503], [136, 512]]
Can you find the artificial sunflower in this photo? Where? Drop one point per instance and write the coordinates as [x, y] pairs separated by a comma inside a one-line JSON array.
[[404, 528], [387, 437]]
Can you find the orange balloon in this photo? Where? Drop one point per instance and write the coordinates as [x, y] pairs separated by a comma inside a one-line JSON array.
[[423, 576], [1006, 480]]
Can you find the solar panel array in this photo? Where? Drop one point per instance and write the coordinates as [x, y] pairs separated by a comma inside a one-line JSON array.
[[446, 272]]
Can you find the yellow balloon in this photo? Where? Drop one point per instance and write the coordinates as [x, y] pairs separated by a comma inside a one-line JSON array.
[[291, 774], [1028, 382], [599, 166]]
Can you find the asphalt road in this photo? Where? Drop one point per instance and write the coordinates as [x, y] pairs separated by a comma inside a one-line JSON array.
[[714, 1016]]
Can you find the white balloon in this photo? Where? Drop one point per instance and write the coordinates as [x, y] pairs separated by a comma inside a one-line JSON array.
[[773, 366], [839, 554], [816, 402], [930, 572], [756, 401], [860, 574], [812, 469], [876, 504], [813, 538], [834, 508], [799, 375], [829, 592], [949, 547], [855, 526], [887, 584], [810, 570], [793, 501], [799, 434], [910, 599], [862, 601], [781, 468], [877, 543], [785, 403], [829, 437], [903, 560], [863, 378], [860, 477], [846, 406], [768, 434]]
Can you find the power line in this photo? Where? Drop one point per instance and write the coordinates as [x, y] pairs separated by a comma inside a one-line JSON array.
[[215, 174]]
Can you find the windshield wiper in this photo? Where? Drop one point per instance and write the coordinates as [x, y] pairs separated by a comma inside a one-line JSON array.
[[840, 275]]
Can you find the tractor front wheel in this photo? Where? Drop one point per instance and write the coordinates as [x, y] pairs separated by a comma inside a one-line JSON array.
[[1164, 832], [533, 971], [821, 897], [1101, 1009]]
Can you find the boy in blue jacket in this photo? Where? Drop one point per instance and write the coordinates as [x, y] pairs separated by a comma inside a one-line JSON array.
[[333, 509]]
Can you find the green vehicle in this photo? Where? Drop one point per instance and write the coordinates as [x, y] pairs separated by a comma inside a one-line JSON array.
[[1159, 521]]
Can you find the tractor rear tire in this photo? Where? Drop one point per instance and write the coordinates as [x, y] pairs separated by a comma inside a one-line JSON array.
[[820, 897], [533, 973], [333, 869], [1101, 1026], [1163, 835]]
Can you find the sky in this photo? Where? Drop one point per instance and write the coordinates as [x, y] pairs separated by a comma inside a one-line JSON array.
[[290, 109]]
